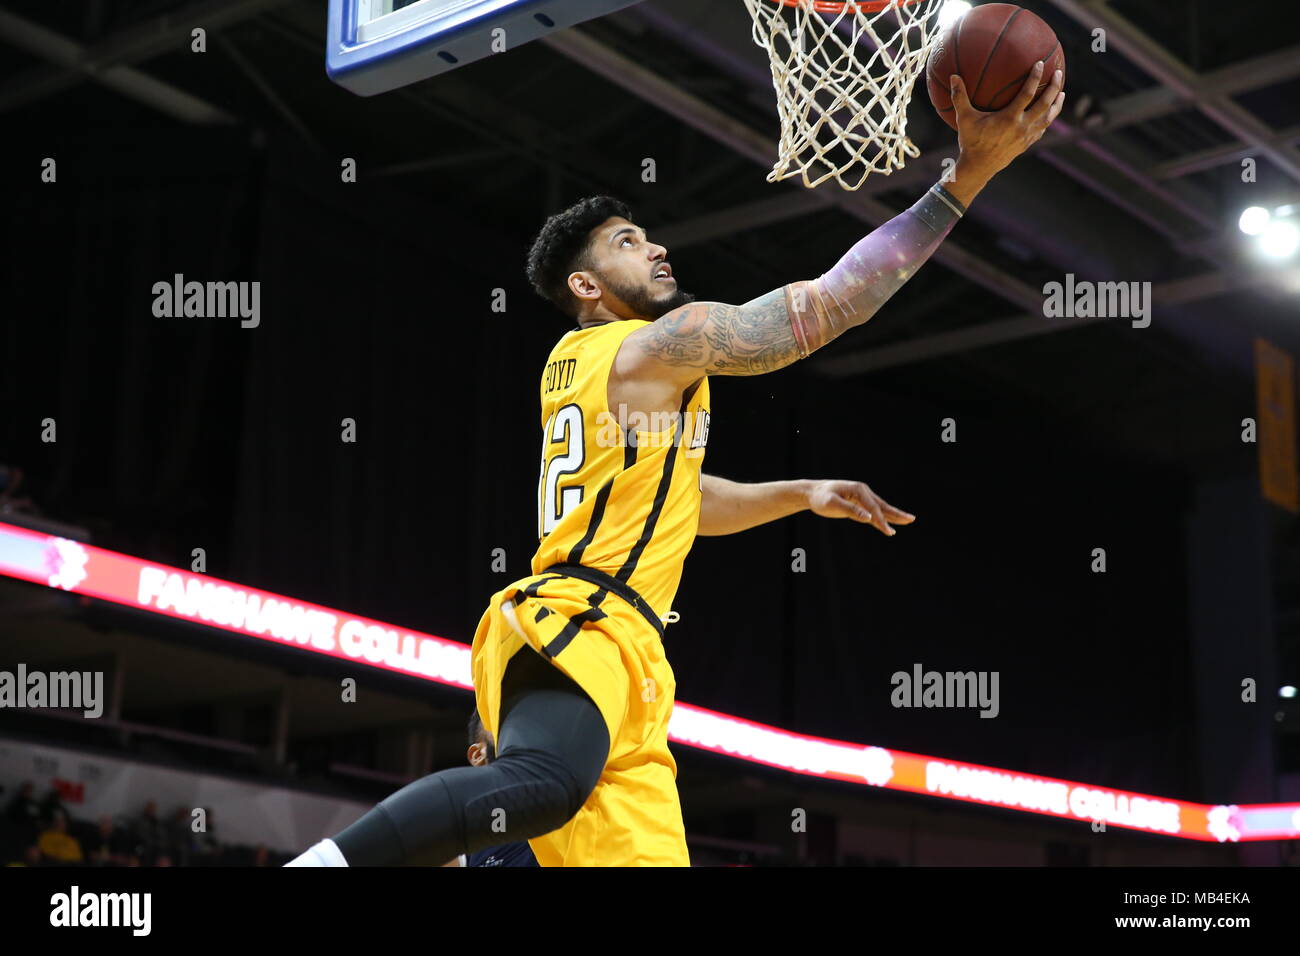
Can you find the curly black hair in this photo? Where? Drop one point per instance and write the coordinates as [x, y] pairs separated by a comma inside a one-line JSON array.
[[562, 248]]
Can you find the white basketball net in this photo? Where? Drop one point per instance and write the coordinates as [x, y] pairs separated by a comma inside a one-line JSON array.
[[843, 81]]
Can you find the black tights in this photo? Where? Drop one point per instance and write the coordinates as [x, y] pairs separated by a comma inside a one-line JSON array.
[[551, 750]]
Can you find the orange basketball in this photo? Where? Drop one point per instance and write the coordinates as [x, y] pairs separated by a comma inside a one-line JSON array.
[[993, 48]]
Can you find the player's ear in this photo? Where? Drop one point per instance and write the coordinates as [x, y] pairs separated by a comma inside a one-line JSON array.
[[476, 755], [584, 286]]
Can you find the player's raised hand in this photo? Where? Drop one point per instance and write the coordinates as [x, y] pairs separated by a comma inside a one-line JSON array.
[[991, 140], [853, 499]]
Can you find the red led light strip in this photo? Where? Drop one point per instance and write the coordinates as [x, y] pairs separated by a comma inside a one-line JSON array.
[[121, 579]]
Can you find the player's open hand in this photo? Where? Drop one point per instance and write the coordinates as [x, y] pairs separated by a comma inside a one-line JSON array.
[[853, 499], [991, 140]]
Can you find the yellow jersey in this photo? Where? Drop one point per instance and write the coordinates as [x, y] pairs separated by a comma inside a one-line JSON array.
[[625, 502]]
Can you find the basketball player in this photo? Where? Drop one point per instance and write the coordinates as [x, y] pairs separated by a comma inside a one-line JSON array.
[[482, 751], [568, 663]]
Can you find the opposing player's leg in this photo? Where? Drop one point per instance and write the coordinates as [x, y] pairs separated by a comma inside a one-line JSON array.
[[552, 747]]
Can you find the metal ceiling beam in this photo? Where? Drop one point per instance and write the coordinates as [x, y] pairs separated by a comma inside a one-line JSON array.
[[443, 160], [1160, 101], [74, 65], [792, 204], [1125, 37], [946, 343], [1195, 211], [1192, 203], [727, 222], [699, 42], [263, 85], [711, 121], [108, 61], [1223, 155], [170, 32], [1097, 180], [1176, 292]]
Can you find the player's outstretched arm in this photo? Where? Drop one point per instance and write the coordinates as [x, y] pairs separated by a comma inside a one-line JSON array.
[[731, 506], [787, 324]]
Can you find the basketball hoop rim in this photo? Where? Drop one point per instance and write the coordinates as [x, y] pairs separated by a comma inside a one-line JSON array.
[[835, 6]]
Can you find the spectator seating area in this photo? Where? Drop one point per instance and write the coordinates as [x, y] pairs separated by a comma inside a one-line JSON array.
[[40, 831]]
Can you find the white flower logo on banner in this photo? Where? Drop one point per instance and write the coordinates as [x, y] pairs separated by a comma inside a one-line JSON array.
[[67, 563], [1220, 824], [877, 766]]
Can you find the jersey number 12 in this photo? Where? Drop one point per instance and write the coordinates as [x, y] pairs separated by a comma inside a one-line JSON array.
[[562, 428]]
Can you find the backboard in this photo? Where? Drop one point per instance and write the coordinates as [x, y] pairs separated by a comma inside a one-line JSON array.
[[378, 45]]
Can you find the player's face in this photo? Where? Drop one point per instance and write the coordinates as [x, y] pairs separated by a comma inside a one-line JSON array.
[[636, 278]]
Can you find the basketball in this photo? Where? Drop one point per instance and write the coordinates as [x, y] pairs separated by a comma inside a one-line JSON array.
[[993, 48]]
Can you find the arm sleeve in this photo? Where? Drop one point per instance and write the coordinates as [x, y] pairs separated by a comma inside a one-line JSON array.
[[871, 272]]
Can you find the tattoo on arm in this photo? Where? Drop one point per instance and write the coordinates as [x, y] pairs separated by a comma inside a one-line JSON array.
[[720, 339], [763, 335]]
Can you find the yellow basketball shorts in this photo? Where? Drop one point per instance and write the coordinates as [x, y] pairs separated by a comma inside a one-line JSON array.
[[633, 816]]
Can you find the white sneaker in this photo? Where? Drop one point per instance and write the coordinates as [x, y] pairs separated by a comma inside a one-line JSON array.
[[324, 853]]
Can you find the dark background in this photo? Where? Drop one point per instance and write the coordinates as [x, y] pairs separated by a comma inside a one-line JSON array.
[[376, 305], [183, 433]]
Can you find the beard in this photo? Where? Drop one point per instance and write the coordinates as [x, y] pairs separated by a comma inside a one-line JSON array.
[[647, 301]]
